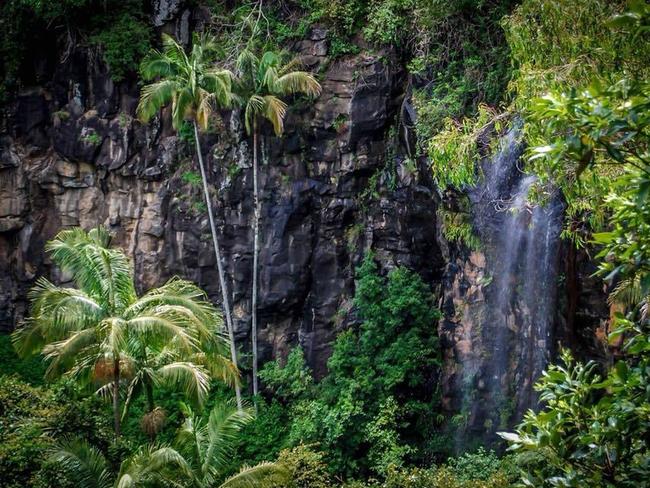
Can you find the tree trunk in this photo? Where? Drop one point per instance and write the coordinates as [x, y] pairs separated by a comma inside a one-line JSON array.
[[217, 252], [116, 396], [256, 237], [148, 388]]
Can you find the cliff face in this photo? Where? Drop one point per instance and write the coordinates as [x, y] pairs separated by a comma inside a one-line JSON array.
[[334, 186]]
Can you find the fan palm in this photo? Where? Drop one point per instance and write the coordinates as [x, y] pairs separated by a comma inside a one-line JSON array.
[[195, 89], [88, 467], [261, 84], [88, 332], [208, 446]]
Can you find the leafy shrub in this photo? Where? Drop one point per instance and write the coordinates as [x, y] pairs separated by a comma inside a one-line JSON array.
[[124, 39], [191, 178], [478, 466], [30, 370], [307, 468], [31, 418], [378, 389]]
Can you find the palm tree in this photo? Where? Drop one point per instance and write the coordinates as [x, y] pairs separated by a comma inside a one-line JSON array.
[[195, 89], [208, 446], [260, 84], [88, 332], [88, 467]]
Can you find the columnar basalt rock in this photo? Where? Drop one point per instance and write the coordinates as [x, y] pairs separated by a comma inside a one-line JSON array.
[[332, 188]]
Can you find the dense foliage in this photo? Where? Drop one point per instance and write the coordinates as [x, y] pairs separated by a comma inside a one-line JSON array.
[[373, 408], [594, 426], [30, 29], [577, 72]]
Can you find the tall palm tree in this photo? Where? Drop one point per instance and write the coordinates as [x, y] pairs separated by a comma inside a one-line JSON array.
[[261, 83], [208, 445], [88, 332], [195, 88]]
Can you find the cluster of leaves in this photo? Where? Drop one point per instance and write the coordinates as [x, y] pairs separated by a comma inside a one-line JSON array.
[[585, 59], [33, 418], [463, 63], [457, 227], [374, 406], [119, 28], [481, 469], [455, 150], [594, 427], [124, 36]]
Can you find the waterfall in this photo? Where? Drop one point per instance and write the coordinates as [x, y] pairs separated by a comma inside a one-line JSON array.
[[515, 318]]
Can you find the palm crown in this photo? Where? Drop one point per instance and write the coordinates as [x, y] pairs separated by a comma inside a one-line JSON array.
[[261, 82], [97, 331], [199, 458], [189, 81]]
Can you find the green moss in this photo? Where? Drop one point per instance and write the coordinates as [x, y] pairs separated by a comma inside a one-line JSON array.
[[92, 138], [192, 178]]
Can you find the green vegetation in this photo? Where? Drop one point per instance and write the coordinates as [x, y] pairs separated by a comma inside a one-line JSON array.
[[92, 138], [192, 178], [103, 338], [592, 429], [101, 333], [119, 29], [575, 73], [456, 227], [374, 408]]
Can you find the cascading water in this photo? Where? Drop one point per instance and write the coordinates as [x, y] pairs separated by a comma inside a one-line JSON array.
[[520, 243]]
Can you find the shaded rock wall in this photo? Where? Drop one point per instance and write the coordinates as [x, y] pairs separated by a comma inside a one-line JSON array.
[[334, 186]]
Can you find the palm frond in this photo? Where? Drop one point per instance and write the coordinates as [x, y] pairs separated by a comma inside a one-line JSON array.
[[269, 61], [193, 379], [151, 465], [162, 326], [219, 82], [99, 271], [627, 292], [63, 354], [155, 65], [254, 106], [275, 111], [84, 462], [224, 425], [219, 367], [296, 82], [183, 105], [154, 97], [176, 54], [247, 63], [206, 108]]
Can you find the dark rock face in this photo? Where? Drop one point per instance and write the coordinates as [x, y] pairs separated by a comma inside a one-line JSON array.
[[333, 187]]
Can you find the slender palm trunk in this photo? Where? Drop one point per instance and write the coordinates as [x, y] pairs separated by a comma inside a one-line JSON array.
[[116, 396], [256, 238], [148, 388], [217, 252]]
